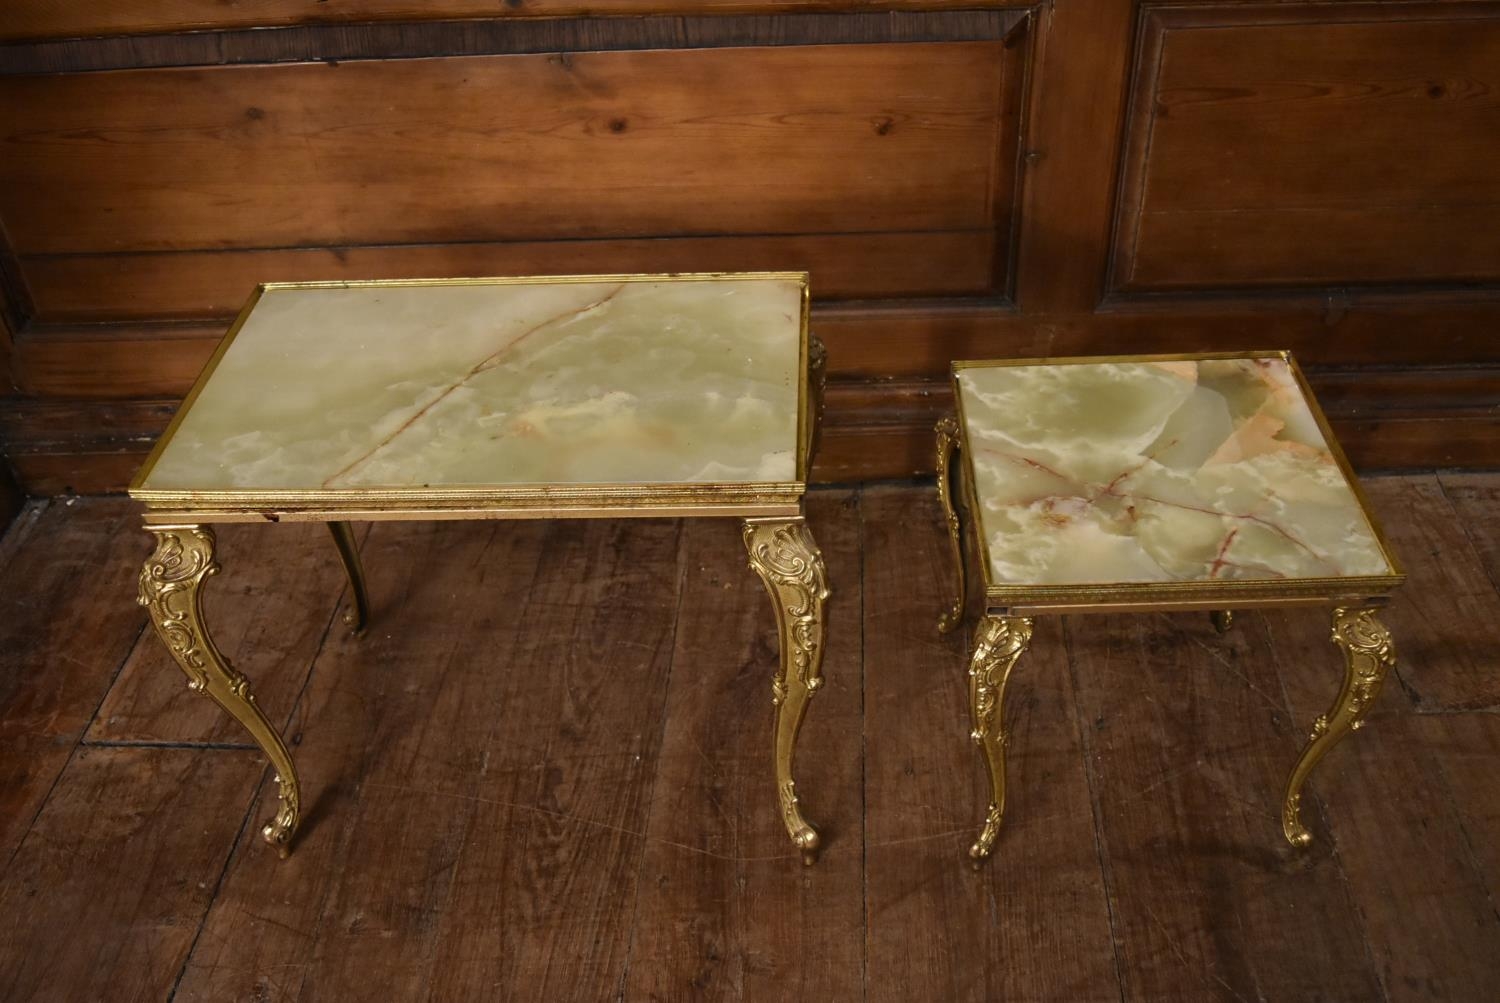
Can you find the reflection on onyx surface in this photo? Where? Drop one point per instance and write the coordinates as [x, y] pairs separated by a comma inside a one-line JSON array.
[[1158, 471]]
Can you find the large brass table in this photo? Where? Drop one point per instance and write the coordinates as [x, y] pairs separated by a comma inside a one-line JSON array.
[[570, 397], [1206, 482]]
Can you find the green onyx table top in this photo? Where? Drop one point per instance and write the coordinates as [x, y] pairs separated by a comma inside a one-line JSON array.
[[1132, 474], [392, 390]]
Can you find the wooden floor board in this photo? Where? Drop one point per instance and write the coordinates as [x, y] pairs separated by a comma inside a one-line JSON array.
[[14, 535], [267, 611], [1466, 749], [70, 619], [159, 823], [1036, 913], [1188, 743], [1452, 668], [394, 725], [726, 910], [1382, 800], [1476, 502], [544, 890], [544, 773]]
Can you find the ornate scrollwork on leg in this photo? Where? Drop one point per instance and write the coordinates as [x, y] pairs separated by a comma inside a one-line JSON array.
[[343, 538], [947, 447], [817, 382], [1369, 653], [171, 589], [783, 553], [1222, 619], [999, 642]]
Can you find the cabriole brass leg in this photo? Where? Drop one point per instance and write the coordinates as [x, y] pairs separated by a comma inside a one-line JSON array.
[[171, 589], [999, 642], [947, 446], [783, 553], [343, 539], [1223, 619], [1369, 653]]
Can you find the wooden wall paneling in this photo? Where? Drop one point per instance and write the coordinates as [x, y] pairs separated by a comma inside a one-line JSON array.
[[1069, 154], [1006, 174], [770, 140], [1312, 144], [130, 291], [115, 362], [949, 177]]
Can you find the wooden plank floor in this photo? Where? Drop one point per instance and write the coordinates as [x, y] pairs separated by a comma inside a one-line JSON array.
[[544, 775]]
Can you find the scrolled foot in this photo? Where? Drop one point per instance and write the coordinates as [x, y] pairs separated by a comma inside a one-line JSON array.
[[283, 825], [986, 842], [1291, 822], [804, 837]]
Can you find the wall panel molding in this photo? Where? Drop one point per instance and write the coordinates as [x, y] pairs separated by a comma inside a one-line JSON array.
[[23, 20], [1272, 147], [381, 41]]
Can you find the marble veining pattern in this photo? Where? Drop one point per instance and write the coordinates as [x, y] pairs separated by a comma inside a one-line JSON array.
[[1098, 473], [492, 385]]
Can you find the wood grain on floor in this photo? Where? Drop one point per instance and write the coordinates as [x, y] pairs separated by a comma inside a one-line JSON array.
[[544, 774]]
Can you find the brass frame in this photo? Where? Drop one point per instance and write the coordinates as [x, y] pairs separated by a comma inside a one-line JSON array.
[[781, 549], [1004, 631], [546, 501]]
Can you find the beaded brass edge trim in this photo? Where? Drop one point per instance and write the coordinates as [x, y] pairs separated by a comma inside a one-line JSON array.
[[520, 496]]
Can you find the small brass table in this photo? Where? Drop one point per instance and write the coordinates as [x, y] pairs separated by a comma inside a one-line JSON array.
[[564, 397], [1207, 482]]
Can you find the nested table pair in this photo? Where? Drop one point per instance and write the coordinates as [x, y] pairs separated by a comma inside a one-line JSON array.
[[572, 397], [1205, 482]]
